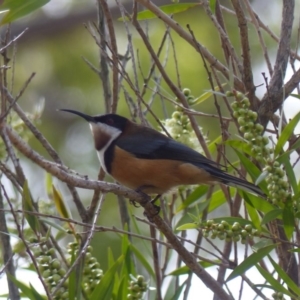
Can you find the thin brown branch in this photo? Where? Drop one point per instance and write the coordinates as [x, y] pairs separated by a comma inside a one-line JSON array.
[[104, 68], [223, 35], [7, 253], [253, 16], [114, 52], [274, 98], [247, 65]]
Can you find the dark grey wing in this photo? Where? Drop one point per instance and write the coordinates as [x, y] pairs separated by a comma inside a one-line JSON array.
[[154, 145]]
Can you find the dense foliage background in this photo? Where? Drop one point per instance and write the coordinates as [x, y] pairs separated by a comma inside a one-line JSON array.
[[250, 59]]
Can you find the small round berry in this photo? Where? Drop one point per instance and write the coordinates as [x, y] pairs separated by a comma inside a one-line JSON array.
[[186, 92]]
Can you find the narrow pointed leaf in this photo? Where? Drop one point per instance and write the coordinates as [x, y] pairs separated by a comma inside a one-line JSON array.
[[258, 203], [250, 261], [27, 203], [290, 173], [186, 270], [273, 282], [60, 204], [288, 221], [143, 260], [253, 214], [30, 292], [104, 289], [271, 215], [286, 134], [72, 279], [263, 243], [193, 197], [49, 184], [285, 277], [19, 8], [187, 226], [169, 9]]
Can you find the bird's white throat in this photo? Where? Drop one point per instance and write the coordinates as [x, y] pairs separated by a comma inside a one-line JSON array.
[[108, 132]]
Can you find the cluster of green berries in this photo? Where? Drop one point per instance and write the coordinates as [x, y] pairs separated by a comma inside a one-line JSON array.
[[137, 287], [92, 273], [251, 130], [278, 296], [51, 270], [225, 231], [277, 185], [179, 125]]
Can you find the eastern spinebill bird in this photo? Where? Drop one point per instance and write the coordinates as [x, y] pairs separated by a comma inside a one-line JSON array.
[[145, 160]]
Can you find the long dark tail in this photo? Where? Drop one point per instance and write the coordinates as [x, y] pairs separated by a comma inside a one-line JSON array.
[[237, 182]]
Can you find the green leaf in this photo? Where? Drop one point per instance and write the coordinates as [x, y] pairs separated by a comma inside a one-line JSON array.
[[243, 146], [271, 215], [288, 219], [231, 220], [253, 214], [103, 290], [290, 173], [169, 9], [72, 278], [285, 277], [179, 291], [258, 203], [295, 250], [186, 270], [206, 95], [286, 134], [212, 5], [263, 243], [19, 8], [49, 184], [187, 226], [194, 218], [143, 260], [261, 177], [28, 206], [122, 288], [296, 96], [128, 266], [60, 204], [30, 292], [250, 261], [274, 283], [217, 199], [37, 296], [251, 169], [193, 197], [212, 147]]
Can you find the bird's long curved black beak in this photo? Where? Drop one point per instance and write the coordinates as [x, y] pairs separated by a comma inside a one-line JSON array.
[[78, 113]]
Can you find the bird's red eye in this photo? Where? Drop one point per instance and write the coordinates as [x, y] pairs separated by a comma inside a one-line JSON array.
[[110, 121]]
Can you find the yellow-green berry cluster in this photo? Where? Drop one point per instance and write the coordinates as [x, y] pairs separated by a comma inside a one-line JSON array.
[[277, 185], [17, 125], [137, 287], [51, 270], [278, 296], [251, 130], [225, 231], [180, 128], [92, 273]]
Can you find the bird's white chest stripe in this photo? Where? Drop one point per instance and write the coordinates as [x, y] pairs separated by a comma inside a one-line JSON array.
[[113, 133]]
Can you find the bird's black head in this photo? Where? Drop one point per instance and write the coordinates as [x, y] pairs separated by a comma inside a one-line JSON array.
[[105, 128], [112, 120]]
